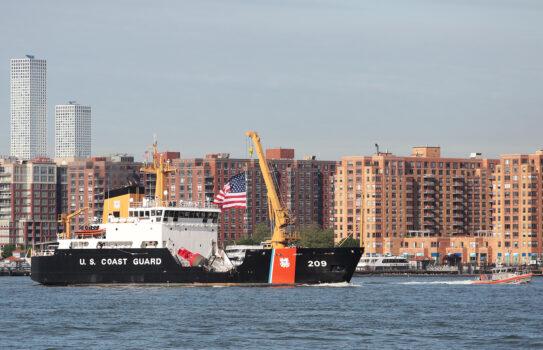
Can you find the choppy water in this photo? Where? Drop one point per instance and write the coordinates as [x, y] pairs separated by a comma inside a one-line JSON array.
[[372, 312]]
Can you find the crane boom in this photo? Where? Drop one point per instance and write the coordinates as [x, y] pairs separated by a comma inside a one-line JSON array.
[[66, 221], [278, 215]]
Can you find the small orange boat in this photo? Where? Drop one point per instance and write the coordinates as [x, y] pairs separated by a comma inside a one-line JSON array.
[[504, 275], [90, 233]]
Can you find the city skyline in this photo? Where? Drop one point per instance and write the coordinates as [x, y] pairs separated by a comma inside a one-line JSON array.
[[380, 78], [420, 205]]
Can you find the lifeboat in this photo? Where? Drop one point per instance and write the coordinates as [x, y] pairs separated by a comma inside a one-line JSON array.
[[90, 233], [504, 275]]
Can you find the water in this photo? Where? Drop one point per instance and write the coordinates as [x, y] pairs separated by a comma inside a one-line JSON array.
[[371, 312]]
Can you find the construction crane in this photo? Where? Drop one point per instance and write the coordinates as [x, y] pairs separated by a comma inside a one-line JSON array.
[[66, 218], [160, 167], [279, 216]]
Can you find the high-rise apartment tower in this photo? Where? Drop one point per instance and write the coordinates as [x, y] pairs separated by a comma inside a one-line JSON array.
[[72, 131], [28, 108]]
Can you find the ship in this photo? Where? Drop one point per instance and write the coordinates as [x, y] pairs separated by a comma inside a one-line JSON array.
[[143, 240]]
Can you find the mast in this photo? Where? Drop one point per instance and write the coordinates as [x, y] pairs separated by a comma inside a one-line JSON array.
[[161, 168], [278, 214]]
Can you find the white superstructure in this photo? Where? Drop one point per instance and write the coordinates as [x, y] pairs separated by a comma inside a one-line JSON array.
[[189, 227], [28, 107], [72, 130]]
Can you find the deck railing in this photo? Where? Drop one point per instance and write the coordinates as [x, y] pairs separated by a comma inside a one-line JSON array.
[[182, 204]]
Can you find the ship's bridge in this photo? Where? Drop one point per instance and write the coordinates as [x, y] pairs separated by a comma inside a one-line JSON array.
[[185, 212]]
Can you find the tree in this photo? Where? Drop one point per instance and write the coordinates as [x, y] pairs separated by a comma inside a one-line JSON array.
[[245, 240], [7, 250], [316, 237], [349, 242], [260, 234]]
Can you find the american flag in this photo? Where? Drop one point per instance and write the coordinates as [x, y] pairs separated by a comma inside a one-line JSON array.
[[233, 194]]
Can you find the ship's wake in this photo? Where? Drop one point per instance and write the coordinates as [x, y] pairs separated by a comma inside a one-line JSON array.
[[334, 285], [436, 282]]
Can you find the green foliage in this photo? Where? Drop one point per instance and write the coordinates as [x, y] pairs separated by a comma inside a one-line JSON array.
[[316, 237], [245, 240], [7, 250], [260, 234], [349, 242]]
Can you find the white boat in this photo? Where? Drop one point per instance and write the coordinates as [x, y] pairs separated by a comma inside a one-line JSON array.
[[382, 264]]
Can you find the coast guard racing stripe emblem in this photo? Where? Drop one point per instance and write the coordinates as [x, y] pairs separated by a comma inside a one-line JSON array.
[[283, 266]]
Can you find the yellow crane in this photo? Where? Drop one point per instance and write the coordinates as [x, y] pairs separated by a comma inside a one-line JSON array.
[[65, 220], [279, 216], [160, 168]]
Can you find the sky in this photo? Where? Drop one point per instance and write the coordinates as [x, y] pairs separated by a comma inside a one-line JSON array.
[[328, 78]]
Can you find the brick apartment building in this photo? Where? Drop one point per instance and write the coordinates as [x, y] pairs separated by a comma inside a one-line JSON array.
[[305, 187], [428, 206], [384, 199], [28, 205], [88, 180], [517, 200]]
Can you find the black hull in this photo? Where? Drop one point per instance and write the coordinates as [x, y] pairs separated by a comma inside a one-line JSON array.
[[120, 266]]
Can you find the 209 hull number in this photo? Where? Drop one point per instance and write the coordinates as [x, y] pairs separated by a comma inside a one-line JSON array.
[[316, 263]]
